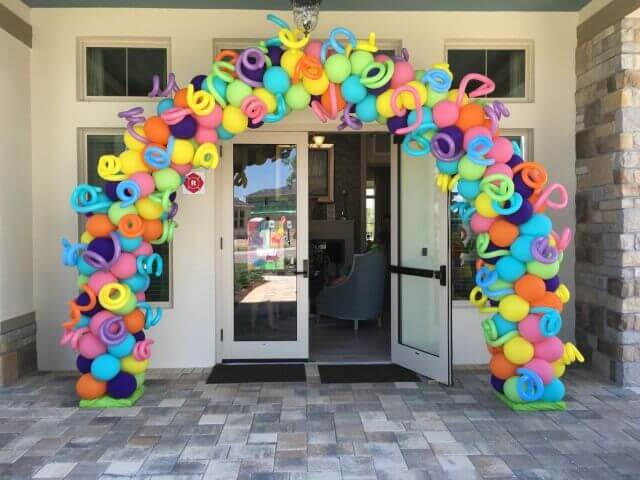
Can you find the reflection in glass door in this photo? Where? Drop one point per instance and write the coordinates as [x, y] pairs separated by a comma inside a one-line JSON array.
[[262, 211]]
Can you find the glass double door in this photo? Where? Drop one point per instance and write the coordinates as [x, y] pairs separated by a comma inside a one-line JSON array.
[[262, 213]]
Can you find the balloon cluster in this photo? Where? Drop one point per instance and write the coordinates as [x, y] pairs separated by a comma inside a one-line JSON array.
[[341, 78]]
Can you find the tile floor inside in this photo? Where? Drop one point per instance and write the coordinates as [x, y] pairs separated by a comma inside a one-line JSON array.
[[183, 428]]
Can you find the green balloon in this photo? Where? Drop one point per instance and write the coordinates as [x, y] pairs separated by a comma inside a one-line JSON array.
[[359, 60], [434, 97], [543, 270], [338, 68], [237, 91], [297, 97], [470, 170], [166, 179], [82, 280], [116, 212], [420, 74], [381, 120], [510, 389]]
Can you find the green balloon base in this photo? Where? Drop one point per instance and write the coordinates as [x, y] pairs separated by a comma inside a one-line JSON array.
[[532, 406], [110, 402]]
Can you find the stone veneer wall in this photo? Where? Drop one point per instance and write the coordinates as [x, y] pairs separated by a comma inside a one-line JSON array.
[[17, 348], [608, 200]]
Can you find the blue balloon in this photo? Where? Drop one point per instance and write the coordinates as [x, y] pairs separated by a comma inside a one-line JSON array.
[[276, 80], [521, 248], [427, 117], [83, 322], [129, 244], [353, 90], [224, 134], [124, 348], [366, 109], [469, 189], [449, 168], [104, 367], [84, 268], [554, 391], [137, 282], [538, 225], [503, 326], [509, 269], [164, 105]]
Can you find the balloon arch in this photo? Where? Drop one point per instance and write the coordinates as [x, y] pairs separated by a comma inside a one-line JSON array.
[[505, 200]]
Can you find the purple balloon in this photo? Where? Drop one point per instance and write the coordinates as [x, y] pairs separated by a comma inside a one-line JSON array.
[[522, 188], [255, 75], [122, 385], [396, 123], [197, 82], [139, 336], [456, 135], [172, 196], [275, 54], [552, 284], [83, 364], [255, 125], [103, 246], [186, 128], [110, 190], [515, 160], [497, 383], [524, 213], [82, 300]]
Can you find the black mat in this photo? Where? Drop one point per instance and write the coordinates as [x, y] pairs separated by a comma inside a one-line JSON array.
[[367, 373], [286, 372]]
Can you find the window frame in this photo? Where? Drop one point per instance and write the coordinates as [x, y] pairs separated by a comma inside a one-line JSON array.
[[501, 44], [528, 135], [82, 43], [82, 137]]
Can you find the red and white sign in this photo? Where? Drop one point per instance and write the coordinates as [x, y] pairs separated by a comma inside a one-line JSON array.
[[193, 183]]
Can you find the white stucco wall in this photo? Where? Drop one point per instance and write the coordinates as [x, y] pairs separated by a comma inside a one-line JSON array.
[[16, 266], [185, 337]]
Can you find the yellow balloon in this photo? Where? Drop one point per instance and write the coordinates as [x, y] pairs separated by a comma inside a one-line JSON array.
[[131, 162], [453, 96], [182, 151], [518, 350], [290, 59], [407, 99], [148, 209], [233, 120], [513, 308], [484, 206], [131, 365], [558, 368], [133, 143], [86, 237], [267, 97], [383, 103], [316, 87], [206, 156]]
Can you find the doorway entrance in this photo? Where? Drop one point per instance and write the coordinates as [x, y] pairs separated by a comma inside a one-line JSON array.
[[274, 261]]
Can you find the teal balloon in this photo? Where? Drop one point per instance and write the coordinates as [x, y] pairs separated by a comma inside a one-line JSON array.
[[129, 244], [427, 116], [503, 326], [554, 391], [164, 105], [84, 268], [136, 282], [224, 134], [104, 367], [448, 168], [538, 225], [521, 248], [353, 91], [469, 189], [366, 109], [276, 80], [124, 348], [509, 269]]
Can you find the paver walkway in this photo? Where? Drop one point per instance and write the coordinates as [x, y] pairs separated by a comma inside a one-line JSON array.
[[183, 428]]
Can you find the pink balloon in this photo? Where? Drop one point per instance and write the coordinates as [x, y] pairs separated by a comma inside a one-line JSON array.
[[125, 266], [381, 57], [475, 132], [402, 73], [100, 279], [502, 150], [480, 224], [140, 296], [529, 328], [445, 113], [90, 346], [145, 248], [204, 135], [549, 349], [542, 368], [182, 169], [313, 49], [211, 120], [145, 182], [502, 168], [97, 319]]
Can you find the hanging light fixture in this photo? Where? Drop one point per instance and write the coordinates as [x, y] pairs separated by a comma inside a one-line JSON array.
[[305, 14]]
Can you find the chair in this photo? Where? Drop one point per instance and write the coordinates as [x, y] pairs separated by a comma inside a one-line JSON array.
[[360, 296]]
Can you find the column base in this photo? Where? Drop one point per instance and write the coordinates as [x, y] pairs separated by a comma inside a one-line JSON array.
[[531, 406]]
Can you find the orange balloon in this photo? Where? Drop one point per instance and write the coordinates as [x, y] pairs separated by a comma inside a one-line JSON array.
[[180, 98], [325, 99], [152, 230], [156, 130], [549, 299], [88, 388], [503, 233], [530, 287], [99, 225], [134, 321], [501, 367], [471, 115], [493, 350]]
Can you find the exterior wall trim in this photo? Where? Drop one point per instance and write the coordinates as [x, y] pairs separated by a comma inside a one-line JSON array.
[[604, 17], [15, 26]]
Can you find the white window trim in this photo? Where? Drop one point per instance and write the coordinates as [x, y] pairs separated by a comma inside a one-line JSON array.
[[82, 43], [242, 43], [527, 134], [501, 44], [83, 176]]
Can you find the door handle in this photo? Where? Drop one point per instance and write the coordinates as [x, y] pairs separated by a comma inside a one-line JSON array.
[[305, 269]]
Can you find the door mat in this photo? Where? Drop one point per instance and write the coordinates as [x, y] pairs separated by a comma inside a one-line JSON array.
[[532, 406], [366, 373], [282, 372]]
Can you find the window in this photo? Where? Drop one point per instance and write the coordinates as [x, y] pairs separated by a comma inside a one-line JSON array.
[[370, 205], [508, 63], [462, 239], [93, 143], [118, 69]]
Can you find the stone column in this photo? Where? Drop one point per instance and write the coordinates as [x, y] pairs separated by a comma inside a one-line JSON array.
[[608, 200]]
